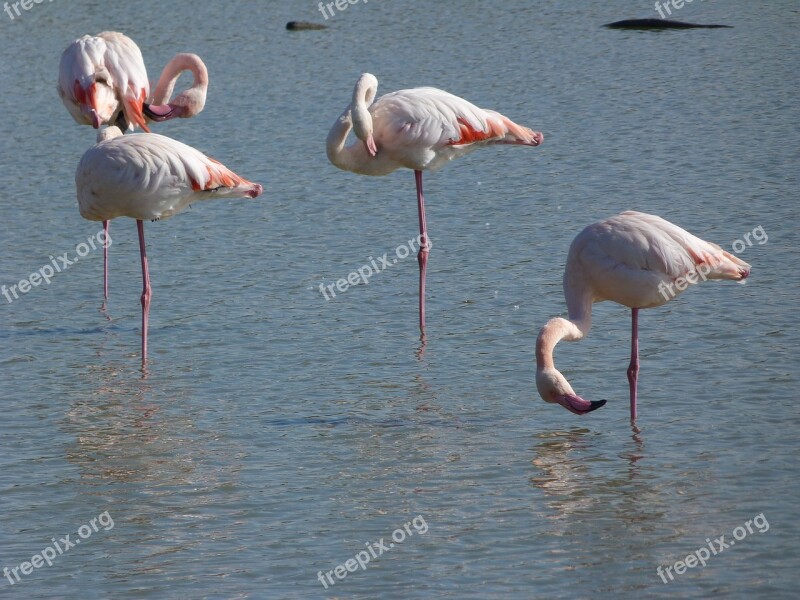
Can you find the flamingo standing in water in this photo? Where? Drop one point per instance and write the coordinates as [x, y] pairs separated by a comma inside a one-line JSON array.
[[637, 260], [103, 81], [419, 129], [149, 176]]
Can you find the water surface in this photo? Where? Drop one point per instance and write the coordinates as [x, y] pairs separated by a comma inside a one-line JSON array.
[[277, 434]]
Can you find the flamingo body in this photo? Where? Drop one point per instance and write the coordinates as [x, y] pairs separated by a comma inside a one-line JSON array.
[[149, 177], [634, 259], [419, 129], [630, 257]]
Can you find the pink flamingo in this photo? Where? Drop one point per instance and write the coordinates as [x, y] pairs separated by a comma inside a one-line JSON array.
[[419, 129], [637, 260], [103, 81], [149, 177]]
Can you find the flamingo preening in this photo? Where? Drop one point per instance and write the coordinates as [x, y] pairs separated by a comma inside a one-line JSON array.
[[103, 81], [419, 129], [637, 260], [149, 176]]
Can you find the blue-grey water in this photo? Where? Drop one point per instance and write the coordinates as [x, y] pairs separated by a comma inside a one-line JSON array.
[[278, 434]]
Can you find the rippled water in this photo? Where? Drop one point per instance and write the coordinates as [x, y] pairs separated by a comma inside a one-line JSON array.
[[278, 434]]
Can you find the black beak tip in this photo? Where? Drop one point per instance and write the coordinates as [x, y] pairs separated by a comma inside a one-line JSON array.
[[596, 404]]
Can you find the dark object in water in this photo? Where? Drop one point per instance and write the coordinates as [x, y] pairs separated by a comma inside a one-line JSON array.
[[300, 25], [658, 24]]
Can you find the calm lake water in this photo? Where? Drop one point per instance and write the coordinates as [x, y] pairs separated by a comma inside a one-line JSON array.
[[278, 434]]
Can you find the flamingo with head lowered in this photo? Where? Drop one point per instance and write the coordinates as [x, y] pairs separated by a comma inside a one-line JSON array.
[[637, 260], [150, 176], [103, 81], [419, 129]]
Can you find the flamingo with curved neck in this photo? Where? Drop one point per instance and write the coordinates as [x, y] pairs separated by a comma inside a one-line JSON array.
[[188, 103], [637, 260], [419, 129]]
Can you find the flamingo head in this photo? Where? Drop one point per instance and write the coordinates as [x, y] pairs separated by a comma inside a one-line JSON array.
[[186, 105], [93, 103], [553, 387], [362, 127]]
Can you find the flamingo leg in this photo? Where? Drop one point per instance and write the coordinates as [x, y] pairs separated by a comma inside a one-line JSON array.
[[146, 293], [424, 247], [106, 224], [633, 368]]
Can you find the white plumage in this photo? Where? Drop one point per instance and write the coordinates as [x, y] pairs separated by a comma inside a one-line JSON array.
[[627, 257], [150, 176]]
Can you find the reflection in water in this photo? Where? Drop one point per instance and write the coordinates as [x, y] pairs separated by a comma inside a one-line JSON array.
[[578, 480], [563, 474], [420, 352], [149, 464]]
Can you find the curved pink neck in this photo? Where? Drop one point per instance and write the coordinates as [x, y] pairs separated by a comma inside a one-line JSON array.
[[171, 73]]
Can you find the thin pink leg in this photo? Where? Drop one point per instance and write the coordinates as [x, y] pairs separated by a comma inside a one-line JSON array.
[[105, 259], [422, 257], [146, 293], [633, 368]]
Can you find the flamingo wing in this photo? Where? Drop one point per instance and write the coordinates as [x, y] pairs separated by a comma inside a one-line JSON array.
[[151, 177], [425, 126]]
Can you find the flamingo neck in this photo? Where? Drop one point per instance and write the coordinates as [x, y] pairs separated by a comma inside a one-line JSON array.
[[343, 157], [363, 94], [355, 158], [558, 328], [555, 330], [169, 77]]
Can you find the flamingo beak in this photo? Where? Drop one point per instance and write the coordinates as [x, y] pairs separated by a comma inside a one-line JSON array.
[[87, 99], [577, 405], [370, 145], [164, 112]]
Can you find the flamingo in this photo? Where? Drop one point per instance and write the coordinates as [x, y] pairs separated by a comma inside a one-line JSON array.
[[419, 129], [149, 176], [637, 260], [103, 81]]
